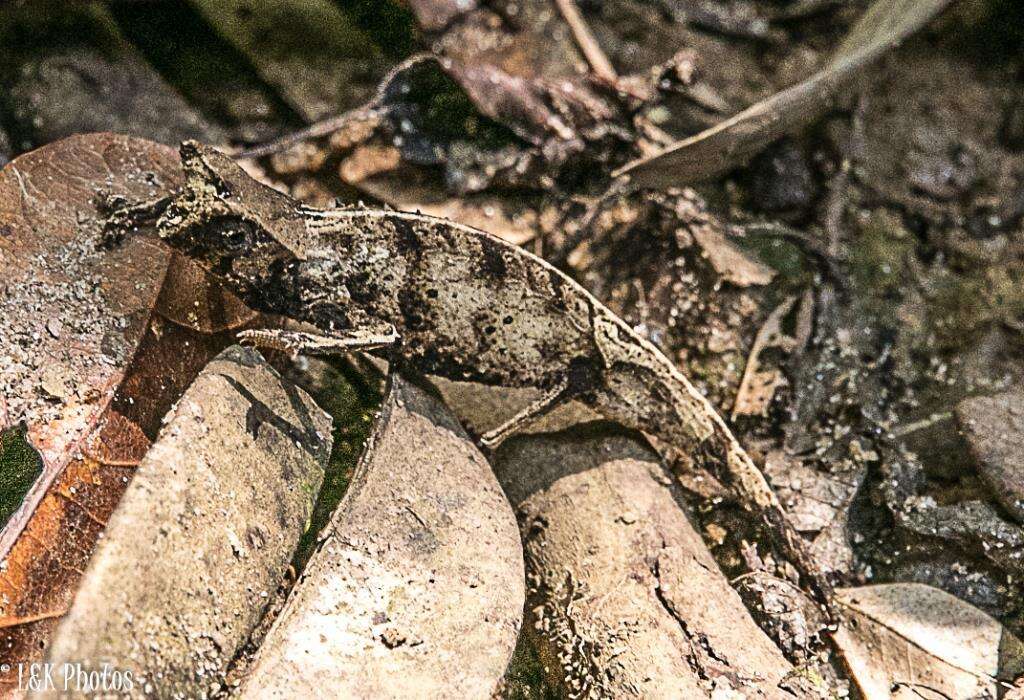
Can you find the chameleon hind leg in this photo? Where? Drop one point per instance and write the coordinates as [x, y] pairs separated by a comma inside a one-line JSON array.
[[551, 400], [579, 380], [302, 343]]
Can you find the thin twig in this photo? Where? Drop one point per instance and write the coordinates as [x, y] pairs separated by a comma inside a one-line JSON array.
[[927, 422], [316, 130], [591, 50]]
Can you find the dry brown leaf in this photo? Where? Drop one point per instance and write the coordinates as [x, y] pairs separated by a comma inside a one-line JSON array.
[[205, 532], [417, 588], [923, 640], [714, 151], [758, 386], [994, 428], [96, 345], [525, 74]]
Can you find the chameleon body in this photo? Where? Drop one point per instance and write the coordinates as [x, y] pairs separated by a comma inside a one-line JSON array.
[[464, 305]]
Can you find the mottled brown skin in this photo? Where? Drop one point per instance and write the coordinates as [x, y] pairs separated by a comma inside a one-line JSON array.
[[466, 306]]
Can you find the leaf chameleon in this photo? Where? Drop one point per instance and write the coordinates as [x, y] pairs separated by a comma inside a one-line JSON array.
[[436, 297]]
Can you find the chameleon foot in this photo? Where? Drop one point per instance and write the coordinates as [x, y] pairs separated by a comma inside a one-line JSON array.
[[297, 342], [558, 395]]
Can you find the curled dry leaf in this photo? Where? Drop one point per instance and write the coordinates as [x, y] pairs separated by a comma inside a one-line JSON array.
[[758, 385], [417, 588], [489, 123], [202, 537], [915, 637], [884, 26], [627, 596], [526, 74], [95, 347], [484, 117]]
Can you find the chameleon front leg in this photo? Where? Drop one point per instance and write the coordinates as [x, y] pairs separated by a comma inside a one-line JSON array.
[[302, 343], [124, 216]]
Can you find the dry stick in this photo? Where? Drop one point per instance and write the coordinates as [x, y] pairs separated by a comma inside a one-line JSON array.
[[588, 45], [315, 130]]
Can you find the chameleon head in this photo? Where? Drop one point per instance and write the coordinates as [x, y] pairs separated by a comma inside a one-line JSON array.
[[240, 230]]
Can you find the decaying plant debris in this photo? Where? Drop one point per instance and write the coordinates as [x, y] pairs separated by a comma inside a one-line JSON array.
[[847, 294]]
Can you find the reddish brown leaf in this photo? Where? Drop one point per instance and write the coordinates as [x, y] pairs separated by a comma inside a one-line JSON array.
[[95, 345]]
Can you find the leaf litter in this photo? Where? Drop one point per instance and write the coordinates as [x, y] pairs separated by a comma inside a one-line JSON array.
[[863, 448]]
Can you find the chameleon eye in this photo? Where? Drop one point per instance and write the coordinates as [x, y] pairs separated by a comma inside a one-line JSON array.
[[236, 236]]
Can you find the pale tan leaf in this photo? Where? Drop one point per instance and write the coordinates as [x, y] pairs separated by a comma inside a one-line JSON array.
[[913, 636], [417, 589], [758, 385], [204, 533], [626, 595], [729, 261]]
